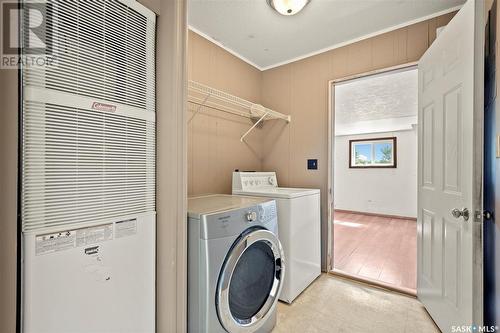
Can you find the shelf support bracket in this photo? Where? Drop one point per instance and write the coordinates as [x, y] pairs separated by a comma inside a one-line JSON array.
[[254, 125], [199, 108]]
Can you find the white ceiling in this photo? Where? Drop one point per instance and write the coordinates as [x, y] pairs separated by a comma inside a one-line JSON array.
[[390, 95], [260, 36], [383, 102]]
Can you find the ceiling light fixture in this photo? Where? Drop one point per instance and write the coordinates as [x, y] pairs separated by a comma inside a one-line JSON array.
[[288, 7]]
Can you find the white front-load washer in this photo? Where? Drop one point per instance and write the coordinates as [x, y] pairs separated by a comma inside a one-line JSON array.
[[235, 264], [299, 219]]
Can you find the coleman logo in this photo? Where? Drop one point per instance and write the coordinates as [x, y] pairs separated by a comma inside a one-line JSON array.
[[103, 107]]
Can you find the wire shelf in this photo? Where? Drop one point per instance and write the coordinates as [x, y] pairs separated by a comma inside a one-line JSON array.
[[205, 96]]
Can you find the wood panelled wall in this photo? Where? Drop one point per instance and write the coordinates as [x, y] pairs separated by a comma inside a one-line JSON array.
[[301, 90], [8, 196], [214, 147]]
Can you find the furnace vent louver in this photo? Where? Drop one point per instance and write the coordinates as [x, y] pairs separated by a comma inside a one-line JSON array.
[[89, 121], [103, 48]]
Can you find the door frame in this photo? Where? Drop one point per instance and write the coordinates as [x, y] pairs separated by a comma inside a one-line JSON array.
[[478, 144], [171, 166], [331, 146]]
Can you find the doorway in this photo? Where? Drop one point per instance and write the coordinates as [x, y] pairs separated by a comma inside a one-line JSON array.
[[374, 174], [450, 173]]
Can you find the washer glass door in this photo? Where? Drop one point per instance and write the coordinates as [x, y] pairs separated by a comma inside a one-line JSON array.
[[250, 281]]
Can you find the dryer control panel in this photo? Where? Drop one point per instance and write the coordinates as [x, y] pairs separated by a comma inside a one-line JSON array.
[[263, 213], [232, 221], [267, 212]]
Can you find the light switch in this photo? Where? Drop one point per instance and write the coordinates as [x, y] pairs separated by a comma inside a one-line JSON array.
[[312, 164]]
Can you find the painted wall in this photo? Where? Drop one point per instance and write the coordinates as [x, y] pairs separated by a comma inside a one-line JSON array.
[[301, 90], [381, 191], [214, 147]]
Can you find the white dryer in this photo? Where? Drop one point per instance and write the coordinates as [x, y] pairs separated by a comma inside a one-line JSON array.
[[299, 220], [235, 264]]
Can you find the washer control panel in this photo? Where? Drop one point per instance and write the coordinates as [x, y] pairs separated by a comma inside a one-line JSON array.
[[253, 180]]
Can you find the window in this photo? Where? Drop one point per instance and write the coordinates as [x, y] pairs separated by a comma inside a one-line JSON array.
[[373, 153]]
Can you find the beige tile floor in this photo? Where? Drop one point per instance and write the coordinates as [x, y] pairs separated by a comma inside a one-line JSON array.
[[333, 304]]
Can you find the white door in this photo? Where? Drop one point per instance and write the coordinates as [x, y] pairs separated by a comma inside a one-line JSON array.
[[450, 108]]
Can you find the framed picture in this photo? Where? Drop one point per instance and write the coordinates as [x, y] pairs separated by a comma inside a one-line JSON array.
[[373, 153]]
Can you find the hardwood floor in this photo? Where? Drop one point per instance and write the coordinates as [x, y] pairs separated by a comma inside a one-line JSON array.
[[378, 248]]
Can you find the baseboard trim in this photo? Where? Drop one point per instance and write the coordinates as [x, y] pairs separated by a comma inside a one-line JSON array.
[[374, 283], [375, 214]]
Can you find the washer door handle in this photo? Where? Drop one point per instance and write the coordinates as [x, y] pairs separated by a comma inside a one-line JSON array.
[[278, 268]]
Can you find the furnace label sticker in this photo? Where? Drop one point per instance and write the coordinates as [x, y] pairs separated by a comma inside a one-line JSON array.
[[126, 228], [94, 235], [55, 242]]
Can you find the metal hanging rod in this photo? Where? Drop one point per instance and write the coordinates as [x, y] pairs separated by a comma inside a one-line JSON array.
[[205, 96]]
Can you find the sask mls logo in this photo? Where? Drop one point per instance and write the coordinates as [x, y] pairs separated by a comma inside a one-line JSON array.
[[473, 329], [27, 29]]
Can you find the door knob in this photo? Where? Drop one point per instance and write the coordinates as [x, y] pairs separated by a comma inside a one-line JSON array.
[[457, 213]]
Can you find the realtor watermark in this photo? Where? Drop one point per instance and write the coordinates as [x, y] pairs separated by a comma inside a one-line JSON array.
[[474, 329], [27, 30]]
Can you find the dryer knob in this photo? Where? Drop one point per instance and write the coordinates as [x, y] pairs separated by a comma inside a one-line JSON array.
[[251, 216]]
